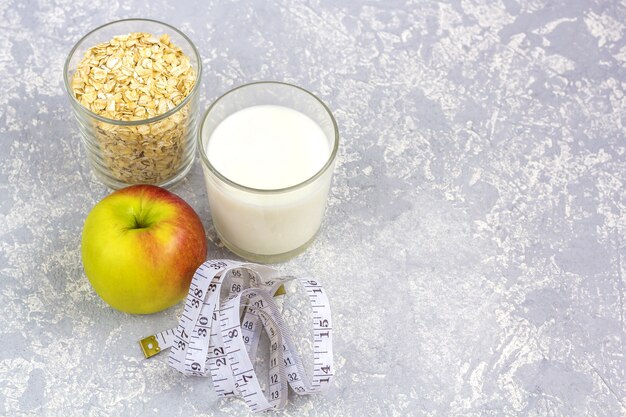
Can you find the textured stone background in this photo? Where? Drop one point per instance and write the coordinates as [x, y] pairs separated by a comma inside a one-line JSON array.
[[474, 243]]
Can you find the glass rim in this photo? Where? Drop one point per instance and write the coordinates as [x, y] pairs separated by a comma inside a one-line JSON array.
[[331, 157], [165, 115]]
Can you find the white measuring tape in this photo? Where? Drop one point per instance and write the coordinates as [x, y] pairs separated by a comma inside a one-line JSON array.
[[228, 306]]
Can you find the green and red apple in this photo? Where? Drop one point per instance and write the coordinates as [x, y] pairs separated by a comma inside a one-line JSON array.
[[140, 248]]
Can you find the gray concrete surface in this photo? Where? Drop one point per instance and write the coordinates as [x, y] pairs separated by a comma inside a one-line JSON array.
[[474, 242]]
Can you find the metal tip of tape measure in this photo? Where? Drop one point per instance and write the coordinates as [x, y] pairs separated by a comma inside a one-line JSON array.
[[149, 346], [280, 291]]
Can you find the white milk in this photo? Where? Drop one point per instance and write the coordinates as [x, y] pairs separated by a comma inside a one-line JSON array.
[[267, 147]]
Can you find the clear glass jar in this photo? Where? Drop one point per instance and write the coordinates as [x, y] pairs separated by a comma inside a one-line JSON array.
[[159, 150], [268, 225]]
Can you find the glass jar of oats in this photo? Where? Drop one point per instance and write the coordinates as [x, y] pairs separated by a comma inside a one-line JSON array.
[[133, 85]]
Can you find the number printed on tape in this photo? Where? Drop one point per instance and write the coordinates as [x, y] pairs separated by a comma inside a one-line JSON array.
[[218, 336]]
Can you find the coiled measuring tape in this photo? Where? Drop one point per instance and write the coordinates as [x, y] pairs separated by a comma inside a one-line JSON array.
[[228, 306]]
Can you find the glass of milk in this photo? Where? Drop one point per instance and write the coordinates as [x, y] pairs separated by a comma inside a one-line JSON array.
[[268, 151]]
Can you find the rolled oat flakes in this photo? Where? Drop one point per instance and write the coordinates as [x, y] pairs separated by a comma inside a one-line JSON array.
[[137, 77]]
